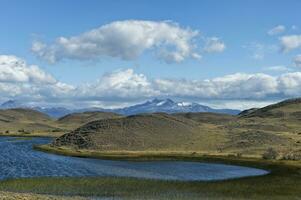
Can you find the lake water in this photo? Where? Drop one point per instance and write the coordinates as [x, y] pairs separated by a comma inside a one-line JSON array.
[[19, 160]]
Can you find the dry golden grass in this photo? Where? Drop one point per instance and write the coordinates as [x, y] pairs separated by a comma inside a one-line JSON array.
[[29, 196]]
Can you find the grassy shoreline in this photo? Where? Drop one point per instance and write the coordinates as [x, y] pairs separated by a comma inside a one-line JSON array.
[[137, 155]]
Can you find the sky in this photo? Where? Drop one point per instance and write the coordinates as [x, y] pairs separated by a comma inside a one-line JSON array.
[[226, 54]]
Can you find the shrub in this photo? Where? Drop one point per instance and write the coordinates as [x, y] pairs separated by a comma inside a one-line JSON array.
[[270, 154], [292, 156]]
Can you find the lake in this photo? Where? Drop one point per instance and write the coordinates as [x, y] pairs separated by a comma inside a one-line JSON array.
[[19, 160]]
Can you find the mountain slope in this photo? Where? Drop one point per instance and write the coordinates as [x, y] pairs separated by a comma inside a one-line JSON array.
[[139, 132], [75, 120], [25, 120], [290, 108], [55, 112], [169, 106]]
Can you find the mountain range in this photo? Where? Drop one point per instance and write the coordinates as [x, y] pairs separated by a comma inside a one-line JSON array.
[[151, 106]]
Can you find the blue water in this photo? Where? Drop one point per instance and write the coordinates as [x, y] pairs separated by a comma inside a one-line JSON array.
[[19, 160]]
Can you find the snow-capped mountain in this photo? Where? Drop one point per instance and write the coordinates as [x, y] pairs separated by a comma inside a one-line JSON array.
[[155, 105], [169, 106]]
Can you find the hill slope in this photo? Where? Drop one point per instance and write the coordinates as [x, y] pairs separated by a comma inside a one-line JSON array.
[[24, 120], [74, 120], [138, 132], [251, 133], [288, 109]]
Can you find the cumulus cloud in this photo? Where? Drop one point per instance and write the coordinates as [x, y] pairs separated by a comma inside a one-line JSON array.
[[126, 40], [277, 30], [290, 84], [214, 45], [297, 60], [18, 79], [121, 84], [290, 42], [226, 87], [14, 69]]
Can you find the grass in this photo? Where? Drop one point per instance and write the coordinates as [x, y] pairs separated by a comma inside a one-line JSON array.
[[284, 182], [136, 155]]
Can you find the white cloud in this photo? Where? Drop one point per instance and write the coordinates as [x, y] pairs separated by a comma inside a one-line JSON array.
[[227, 87], [19, 80], [297, 60], [290, 84], [241, 104], [214, 45], [122, 84], [126, 40], [277, 30], [290, 42], [14, 69]]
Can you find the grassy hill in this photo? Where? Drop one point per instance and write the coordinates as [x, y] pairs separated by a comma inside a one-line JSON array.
[[21, 121], [152, 132], [24, 121], [249, 134], [75, 120]]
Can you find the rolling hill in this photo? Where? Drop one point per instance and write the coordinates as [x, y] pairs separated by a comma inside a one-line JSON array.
[[137, 132], [25, 121], [21, 121], [75, 120], [251, 133]]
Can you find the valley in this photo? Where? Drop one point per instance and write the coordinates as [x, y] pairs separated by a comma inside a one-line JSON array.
[[267, 139]]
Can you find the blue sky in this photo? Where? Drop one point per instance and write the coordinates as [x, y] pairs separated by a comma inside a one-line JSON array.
[[248, 38]]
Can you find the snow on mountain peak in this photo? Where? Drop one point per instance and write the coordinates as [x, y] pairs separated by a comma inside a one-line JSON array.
[[183, 104]]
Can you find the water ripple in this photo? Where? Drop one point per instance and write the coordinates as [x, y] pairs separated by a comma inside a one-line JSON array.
[[19, 160]]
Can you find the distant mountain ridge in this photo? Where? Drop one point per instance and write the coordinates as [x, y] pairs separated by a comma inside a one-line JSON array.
[[151, 106], [170, 106]]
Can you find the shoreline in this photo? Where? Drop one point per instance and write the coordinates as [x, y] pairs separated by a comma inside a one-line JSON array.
[[282, 174], [230, 159], [27, 135]]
